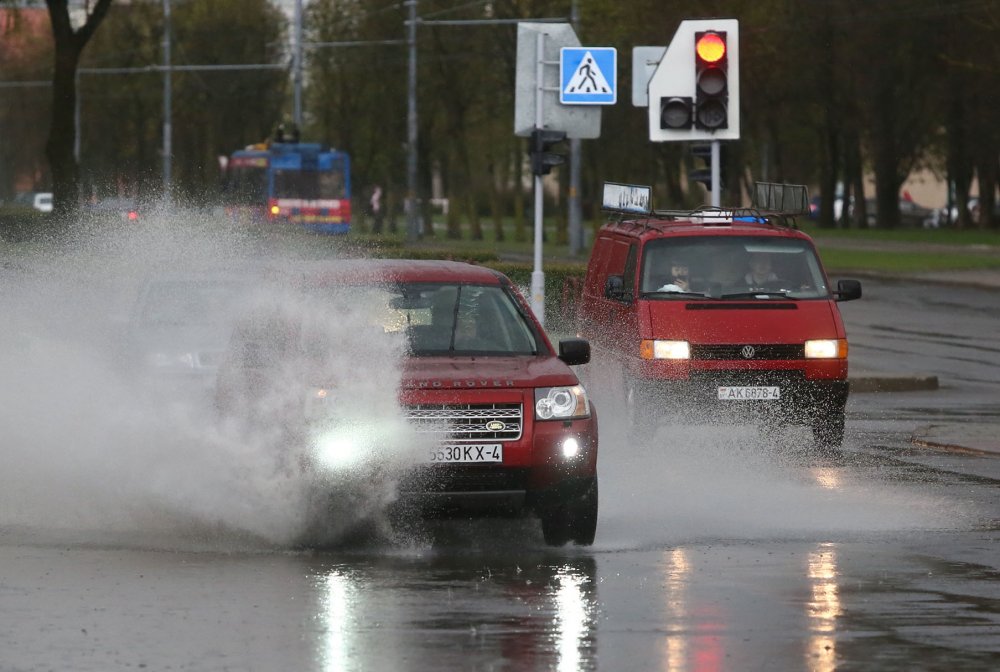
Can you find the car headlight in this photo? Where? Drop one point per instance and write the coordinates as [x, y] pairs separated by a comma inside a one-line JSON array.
[[830, 348], [649, 349], [560, 403], [340, 448]]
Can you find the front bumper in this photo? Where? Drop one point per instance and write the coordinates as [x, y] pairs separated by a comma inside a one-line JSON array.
[[697, 398]]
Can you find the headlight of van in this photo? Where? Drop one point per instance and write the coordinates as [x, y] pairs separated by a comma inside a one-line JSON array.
[[649, 349], [831, 348], [561, 403]]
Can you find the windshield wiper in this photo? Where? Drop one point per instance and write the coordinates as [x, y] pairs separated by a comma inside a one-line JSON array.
[[761, 294], [660, 293]]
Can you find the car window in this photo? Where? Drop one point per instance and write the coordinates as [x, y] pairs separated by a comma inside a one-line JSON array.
[[721, 266], [459, 319]]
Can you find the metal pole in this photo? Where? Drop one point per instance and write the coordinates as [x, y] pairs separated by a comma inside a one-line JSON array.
[[716, 175], [167, 102], [297, 76], [412, 220], [76, 120], [575, 214], [537, 276]]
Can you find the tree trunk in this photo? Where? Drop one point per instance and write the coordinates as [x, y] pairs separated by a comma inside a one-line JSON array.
[[62, 131], [69, 45]]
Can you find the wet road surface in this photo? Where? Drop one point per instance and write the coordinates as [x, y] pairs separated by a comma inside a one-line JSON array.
[[718, 548]]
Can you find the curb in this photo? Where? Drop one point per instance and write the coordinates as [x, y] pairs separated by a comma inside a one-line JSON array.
[[892, 383], [937, 437]]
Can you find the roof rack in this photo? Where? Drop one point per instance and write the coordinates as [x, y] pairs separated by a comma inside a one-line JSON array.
[[788, 199], [772, 203]]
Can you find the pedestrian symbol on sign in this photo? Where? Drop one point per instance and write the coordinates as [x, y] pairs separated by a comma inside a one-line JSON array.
[[588, 75], [588, 78]]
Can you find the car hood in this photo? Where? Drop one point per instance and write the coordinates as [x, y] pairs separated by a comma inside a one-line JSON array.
[[453, 373], [727, 322]]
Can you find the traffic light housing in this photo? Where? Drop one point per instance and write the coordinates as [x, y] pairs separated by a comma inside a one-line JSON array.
[[711, 63], [676, 112], [685, 86], [543, 160], [704, 175]]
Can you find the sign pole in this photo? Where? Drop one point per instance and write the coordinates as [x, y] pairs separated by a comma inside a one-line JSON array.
[[537, 276], [716, 175]]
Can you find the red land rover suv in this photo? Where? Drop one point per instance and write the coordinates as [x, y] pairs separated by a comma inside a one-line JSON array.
[[718, 315], [508, 426]]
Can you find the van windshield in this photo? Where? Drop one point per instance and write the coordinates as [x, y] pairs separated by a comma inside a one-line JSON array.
[[731, 267]]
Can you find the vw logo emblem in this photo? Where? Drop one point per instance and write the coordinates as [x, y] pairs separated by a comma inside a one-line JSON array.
[[747, 352], [496, 426]]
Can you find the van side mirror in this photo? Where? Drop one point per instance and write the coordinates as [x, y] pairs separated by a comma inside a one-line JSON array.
[[847, 290], [614, 289], [574, 351]]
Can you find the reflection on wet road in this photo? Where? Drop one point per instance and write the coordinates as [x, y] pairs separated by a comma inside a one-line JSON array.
[[408, 613]]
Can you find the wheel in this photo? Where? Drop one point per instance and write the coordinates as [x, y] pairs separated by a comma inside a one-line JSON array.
[[574, 521], [828, 429]]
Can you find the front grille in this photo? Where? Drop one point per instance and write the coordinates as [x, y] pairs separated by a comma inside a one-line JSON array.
[[468, 422], [759, 352]]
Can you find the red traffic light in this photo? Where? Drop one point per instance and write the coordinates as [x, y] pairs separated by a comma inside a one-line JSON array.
[[710, 47]]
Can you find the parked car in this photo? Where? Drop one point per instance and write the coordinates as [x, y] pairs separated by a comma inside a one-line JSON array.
[[507, 427], [38, 200], [948, 216], [123, 208], [838, 207], [911, 215], [43, 202]]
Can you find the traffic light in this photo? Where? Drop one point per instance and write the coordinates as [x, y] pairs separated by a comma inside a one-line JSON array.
[[711, 63], [704, 175], [542, 159], [675, 112]]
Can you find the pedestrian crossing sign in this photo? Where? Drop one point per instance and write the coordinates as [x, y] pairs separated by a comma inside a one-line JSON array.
[[588, 75]]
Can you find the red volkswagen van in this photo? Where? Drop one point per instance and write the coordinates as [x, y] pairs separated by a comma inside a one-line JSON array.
[[717, 315]]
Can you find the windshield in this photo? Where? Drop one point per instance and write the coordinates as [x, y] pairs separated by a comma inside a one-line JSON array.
[[310, 184], [451, 319], [731, 267], [247, 185]]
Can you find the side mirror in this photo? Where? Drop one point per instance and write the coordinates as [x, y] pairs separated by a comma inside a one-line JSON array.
[[614, 289], [847, 290], [574, 351]]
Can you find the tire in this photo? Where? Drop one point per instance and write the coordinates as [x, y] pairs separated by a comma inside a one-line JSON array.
[[574, 521], [828, 429]]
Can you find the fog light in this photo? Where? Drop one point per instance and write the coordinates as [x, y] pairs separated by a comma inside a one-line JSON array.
[[338, 450], [570, 448]]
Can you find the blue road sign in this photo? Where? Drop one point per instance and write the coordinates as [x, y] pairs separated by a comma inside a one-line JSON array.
[[588, 75]]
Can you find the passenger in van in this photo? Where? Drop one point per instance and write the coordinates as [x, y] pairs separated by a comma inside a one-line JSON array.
[[679, 279], [761, 272]]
